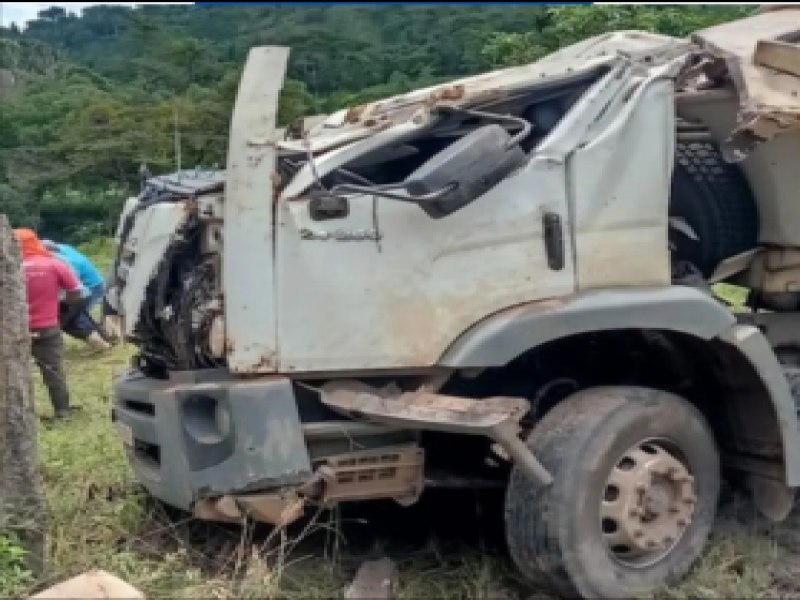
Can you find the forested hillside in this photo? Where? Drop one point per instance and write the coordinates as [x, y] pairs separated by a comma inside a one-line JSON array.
[[86, 100]]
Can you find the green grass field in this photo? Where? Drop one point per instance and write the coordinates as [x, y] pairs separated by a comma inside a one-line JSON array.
[[99, 517]]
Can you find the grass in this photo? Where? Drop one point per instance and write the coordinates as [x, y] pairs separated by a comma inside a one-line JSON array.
[[734, 295], [98, 517], [101, 251]]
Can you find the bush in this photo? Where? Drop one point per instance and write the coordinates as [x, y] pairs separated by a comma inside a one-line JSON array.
[[14, 574], [100, 251], [78, 216]]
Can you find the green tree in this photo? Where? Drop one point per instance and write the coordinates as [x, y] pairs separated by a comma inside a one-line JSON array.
[[508, 49], [295, 102]]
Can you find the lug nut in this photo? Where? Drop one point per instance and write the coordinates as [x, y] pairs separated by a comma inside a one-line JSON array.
[[638, 533], [634, 512], [667, 541], [651, 544], [681, 522]]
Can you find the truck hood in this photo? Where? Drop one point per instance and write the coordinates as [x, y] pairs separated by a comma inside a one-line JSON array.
[[392, 118]]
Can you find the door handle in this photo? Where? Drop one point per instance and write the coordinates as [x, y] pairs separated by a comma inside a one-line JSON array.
[[553, 240]]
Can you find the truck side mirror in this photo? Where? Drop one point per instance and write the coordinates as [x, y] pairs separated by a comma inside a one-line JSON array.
[[464, 171]]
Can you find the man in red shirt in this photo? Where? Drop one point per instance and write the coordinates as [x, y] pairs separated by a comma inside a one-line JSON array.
[[45, 278]]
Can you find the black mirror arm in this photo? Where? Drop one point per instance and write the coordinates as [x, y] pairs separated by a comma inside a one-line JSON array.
[[524, 123]]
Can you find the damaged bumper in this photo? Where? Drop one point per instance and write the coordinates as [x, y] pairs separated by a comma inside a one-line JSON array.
[[226, 448], [196, 436]]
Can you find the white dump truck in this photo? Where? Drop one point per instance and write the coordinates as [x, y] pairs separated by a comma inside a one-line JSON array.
[[510, 280]]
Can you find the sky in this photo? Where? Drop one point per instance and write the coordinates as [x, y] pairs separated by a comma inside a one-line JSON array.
[[20, 12]]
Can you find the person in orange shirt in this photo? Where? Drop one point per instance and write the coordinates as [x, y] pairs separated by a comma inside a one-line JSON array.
[[45, 277]]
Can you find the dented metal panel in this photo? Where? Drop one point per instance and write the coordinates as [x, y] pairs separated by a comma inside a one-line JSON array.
[[357, 122], [279, 509], [387, 286], [153, 231], [769, 98], [619, 198], [496, 417], [248, 262], [336, 158], [778, 55], [409, 285]]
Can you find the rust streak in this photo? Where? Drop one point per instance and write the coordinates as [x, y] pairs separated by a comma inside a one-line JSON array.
[[455, 92], [265, 362], [354, 113]]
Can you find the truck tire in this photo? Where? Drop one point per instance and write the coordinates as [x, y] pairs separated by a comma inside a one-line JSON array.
[[714, 199], [636, 481]]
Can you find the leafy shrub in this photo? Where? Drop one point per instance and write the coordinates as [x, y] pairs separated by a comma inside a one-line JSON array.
[[80, 215], [14, 574]]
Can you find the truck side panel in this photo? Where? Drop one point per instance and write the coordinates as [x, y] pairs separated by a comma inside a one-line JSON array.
[[399, 301], [620, 185]]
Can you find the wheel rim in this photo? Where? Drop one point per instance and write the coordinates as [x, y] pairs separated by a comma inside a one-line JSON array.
[[647, 505]]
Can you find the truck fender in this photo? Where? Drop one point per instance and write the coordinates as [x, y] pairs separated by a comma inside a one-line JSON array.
[[505, 335], [751, 345]]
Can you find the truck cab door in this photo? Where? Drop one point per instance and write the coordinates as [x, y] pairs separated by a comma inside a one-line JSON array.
[[388, 286]]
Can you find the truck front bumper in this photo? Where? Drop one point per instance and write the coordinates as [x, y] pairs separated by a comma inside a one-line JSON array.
[[203, 434]]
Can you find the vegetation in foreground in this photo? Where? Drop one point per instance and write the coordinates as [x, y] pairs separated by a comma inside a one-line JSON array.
[[449, 547]]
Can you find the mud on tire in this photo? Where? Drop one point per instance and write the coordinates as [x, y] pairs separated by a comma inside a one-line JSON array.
[[555, 533]]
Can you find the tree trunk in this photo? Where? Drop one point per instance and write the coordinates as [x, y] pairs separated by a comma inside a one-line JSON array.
[[21, 496]]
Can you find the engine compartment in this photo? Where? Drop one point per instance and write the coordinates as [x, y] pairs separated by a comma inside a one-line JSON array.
[[183, 294]]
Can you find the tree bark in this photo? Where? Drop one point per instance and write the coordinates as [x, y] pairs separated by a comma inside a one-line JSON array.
[[21, 496]]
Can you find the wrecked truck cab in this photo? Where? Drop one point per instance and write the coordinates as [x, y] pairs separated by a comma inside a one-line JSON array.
[[415, 159], [501, 282]]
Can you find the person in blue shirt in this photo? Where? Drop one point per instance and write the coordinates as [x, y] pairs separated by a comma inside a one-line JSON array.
[[90, 277], [79, 323]]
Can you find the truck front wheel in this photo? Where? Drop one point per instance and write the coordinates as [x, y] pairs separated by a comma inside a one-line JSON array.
[[636, 480]]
